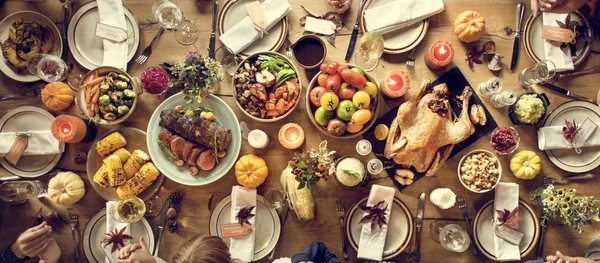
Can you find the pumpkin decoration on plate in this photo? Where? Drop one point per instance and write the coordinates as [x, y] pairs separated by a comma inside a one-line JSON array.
[[57, 96], [525, 165], [469, 26], [66, 188], [251, 171]]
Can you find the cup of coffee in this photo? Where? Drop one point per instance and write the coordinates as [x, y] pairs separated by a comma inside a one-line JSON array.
[[309, 51]]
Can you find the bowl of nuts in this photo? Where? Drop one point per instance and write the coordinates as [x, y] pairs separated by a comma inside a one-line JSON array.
[[267, 87], [479, 171]]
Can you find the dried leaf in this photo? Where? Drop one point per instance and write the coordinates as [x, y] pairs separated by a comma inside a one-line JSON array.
[[310, 12], [376, 215], [244, 215], [561, 24], [506, 217]]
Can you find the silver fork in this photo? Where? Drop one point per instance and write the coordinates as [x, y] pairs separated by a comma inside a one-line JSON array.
[[288, 50], [341, 213], [148, 50], [410, 61], [547, 180], [462, 206], [31, 93], [74, 221]]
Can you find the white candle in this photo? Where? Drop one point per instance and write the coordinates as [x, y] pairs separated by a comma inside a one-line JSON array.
[[258, 139]]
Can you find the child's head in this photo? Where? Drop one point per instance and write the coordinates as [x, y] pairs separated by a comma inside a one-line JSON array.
[[203, 249]]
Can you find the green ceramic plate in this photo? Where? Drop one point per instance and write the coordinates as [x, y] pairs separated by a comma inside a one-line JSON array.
[[223, 116]]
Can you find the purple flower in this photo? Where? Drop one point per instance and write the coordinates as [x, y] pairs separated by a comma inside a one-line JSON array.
[[155, 80], [190, 55]]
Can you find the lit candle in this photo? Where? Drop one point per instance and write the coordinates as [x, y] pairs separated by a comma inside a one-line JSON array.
[[68, 129], [291, 136], [395, 84], [258, 139], [439, 55]]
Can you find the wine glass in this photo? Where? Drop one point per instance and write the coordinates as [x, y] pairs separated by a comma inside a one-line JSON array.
[[128, 210], [47, 67], [454, 238], [435, 227], [541, 72], [274, 198], [229, 61], [170, 16], [154, 206], [75, 76], [370, 50]]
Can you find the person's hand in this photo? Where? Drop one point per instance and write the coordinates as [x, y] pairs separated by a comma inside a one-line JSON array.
[[560, 258], [136, 253], [51, 254], [33, 241], [556, 6], [340, 6]]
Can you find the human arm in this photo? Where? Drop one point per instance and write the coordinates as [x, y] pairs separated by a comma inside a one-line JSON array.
[[33, 241], [137, 253], [315, 252], [560, 258], [556, 6]]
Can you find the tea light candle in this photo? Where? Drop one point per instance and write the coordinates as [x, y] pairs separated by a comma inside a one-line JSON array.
[[68, 129], [291, 136], [439, 55], [258, 139]]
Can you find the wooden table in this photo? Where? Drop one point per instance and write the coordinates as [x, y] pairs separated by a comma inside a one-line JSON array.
[[194, 216]]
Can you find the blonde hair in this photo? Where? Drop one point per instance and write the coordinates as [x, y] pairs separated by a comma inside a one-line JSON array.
[[203, 249]]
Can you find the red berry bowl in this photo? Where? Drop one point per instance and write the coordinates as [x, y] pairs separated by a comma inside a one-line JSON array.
[[504, 140]]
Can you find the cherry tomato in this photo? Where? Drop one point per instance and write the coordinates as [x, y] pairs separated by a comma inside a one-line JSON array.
[[335, 66], [322, 116], [370, 88], [336, 127], [329, 101], [361, 117], [342, 67], [361, 100], [353, 78], [315, 95], [346, 92], [354, 128], [324, 67], [322, 79], [334, 82]]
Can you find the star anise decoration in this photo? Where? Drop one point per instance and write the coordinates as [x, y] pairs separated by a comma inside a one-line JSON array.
[[376, 215], [473, 57], [506, 217], [116, 238], [244, 215]]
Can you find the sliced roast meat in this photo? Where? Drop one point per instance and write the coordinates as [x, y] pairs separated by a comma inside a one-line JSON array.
[[195, 129], [194, 155], [187, 149], [177, 143], [165, 136], [206, 161]]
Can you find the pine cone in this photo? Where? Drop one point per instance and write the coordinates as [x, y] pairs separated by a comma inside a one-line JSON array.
[[172, 226], [80, 158], [175, 198]]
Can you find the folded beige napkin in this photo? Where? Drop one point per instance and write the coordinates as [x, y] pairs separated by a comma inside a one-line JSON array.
[[242, 248], [40, 143], [243, 34], [507, 197], [551, 138], [371, 244], [111, 224], [400, 13], [561, 57], [112, 13]]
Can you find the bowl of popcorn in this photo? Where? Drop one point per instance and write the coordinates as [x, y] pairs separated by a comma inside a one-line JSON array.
[[479, 171]]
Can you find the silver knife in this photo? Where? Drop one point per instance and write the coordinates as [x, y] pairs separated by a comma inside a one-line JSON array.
[[282, 217], [65, 28], [420, 210], [213, 33], [517, 43], [566, 92], [161, 226], [354, 34]]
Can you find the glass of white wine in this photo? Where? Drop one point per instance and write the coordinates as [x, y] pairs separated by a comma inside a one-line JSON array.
[[369, 51], [454, 238], [128, 210], [170, 16]]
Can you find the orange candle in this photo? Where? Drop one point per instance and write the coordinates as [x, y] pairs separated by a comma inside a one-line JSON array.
[[439, 55], [68, 129], [291, 136]]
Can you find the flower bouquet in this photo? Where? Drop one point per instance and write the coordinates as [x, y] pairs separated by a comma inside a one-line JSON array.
[[196, 76]]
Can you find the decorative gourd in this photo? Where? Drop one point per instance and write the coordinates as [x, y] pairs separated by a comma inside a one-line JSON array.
[[57, 96], [66, 188], [469, 26], [301, 200], [251, 171], [525, 165]]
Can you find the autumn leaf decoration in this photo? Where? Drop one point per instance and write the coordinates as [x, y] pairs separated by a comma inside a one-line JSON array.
[[578, 29], [506, 217], [375, 216], [116, 238], [244, 215], [473, 57], [570, 129]]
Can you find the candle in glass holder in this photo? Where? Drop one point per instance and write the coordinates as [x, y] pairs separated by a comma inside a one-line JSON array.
[[291, 136], [258, 139], [439, 55], [70, 129]]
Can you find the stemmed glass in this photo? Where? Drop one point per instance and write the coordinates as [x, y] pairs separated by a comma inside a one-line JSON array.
[[541, 72], [47, 67], [229, 61], [274, 198], [170, 16], [128, 210], [451, 236], [370, 50]]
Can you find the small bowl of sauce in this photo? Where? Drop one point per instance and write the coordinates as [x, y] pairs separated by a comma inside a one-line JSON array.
[[309, 51]]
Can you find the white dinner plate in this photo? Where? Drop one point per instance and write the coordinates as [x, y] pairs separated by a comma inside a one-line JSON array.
[[95, 231], [400, 228], [29, 118], [568, 159], [223, 116], [401, 40], [88, 49], [235, 11], [23, 75], [268, 225], [483, 229]]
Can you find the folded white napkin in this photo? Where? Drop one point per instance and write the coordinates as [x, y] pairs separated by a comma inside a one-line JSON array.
[[371, 244], [112, 13], [111, 224], [400, 13], [243, 34], [40, 143], [507, 197], [242, 248], [551, 138], [560, 57]]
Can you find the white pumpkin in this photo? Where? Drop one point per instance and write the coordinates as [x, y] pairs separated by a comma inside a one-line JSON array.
[[66, 188]]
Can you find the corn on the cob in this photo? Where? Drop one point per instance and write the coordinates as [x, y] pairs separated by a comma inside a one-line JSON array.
[[135, 162], [110, 143], [101, 176], [139, 182], [123, 153], [301, 200], [116, 174]]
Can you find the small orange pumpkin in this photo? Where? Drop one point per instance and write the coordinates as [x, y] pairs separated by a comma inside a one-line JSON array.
[[469, 26], [57, 96]]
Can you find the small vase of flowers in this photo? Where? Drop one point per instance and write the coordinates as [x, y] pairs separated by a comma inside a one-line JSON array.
[[196, 76]]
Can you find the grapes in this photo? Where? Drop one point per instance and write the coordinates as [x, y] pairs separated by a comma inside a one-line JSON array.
[[502, 139]]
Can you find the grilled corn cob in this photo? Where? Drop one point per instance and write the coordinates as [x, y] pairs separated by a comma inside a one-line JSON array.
[[114, 167], [135, 162], [123, 153], [139, 182], [101, 176], [301, 200], [110, 143]]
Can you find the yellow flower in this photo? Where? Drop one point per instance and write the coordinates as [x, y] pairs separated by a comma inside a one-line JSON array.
[[560, 192], [564, 206], [576, 201], [550, 199], [567, 199]]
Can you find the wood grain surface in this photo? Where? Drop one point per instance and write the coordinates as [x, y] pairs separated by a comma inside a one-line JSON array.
[[194, 216]]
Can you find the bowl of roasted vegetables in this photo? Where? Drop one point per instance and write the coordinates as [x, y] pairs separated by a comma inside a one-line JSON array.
[[267, 87], [108, 95]]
